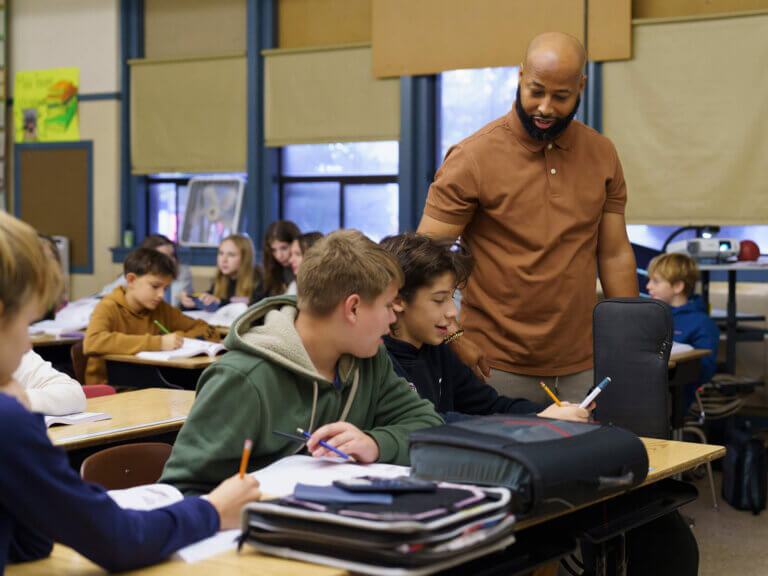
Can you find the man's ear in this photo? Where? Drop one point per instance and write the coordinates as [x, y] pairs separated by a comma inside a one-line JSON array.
[[399, 305], [130, 278], [352, 308]]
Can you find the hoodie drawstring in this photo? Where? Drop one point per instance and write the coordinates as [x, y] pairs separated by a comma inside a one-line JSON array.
[[312, 417], [351, 395]]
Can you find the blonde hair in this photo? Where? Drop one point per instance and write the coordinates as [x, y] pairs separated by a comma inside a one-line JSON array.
[[676, 267], [26, 271], [245, 274], [343, 263]]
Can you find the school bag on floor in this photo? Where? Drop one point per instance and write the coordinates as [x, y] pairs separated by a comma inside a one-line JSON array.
[[549, 465], [745, 471]]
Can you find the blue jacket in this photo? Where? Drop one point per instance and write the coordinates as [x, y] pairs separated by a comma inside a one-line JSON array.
[[42, 500], [694, 326]]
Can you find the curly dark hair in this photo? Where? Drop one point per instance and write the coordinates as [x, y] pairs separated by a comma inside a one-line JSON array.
[[423, 258]]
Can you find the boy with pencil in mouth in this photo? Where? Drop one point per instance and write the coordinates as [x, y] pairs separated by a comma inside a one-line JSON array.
[[134, 317], [315, 363], [434, 268]]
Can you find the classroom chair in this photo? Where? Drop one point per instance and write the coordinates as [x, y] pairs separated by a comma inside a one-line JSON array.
[[126, 466], [78, 361], [96, 390]]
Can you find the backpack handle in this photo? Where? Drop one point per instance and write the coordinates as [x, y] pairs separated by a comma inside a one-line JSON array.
[[610, 482]]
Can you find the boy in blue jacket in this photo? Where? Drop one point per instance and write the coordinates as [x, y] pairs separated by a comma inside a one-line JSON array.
[[42, 499], [433, 269], [672, 278]]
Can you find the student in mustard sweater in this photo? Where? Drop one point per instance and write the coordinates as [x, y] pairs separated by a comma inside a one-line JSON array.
[[42, 499], [317, 364], [124, 321]]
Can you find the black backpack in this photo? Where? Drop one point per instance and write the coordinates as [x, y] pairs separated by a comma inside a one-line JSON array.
[[550, 465], [745, 473]]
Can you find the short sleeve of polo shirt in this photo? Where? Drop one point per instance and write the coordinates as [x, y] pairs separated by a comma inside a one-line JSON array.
[[615, 187], [453, 196]]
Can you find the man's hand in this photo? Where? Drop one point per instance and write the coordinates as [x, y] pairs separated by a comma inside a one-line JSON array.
[[346, 437], [13, 388], [472, 356], [230, 496], [567, 411], [171, 341]]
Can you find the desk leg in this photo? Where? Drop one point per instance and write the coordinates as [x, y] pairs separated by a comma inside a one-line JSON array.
[[730, 344], [705, 289]]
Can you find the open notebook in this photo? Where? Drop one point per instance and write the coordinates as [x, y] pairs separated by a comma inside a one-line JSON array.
[[78, 418], [189, 349], [277, 479]]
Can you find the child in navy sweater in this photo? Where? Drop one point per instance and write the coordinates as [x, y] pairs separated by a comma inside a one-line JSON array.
[[672, 278], [425, 311], [42, 499]]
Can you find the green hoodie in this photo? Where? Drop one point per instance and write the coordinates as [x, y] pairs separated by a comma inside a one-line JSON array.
[[267, 382]]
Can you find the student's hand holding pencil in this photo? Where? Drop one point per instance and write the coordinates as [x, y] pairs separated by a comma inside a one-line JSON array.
[[567, 411], [346, 437], [171, 341], [230, 496]]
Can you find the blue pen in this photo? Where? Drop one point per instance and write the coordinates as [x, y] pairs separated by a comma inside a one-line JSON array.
[[592, 395], [323, 444]]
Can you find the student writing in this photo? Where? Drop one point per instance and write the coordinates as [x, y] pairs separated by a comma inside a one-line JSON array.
[[314, 363], [42, 499], [425, 310], [124, 321]]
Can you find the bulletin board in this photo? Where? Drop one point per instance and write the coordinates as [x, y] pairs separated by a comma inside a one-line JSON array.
[[53, 191]]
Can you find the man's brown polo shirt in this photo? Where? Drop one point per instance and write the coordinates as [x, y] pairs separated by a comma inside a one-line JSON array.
[[531, 212]]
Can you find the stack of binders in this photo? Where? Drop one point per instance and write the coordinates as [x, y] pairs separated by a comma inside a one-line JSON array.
[[407, 533]]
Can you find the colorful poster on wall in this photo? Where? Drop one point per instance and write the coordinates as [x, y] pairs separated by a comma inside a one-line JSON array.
[[45, 105]]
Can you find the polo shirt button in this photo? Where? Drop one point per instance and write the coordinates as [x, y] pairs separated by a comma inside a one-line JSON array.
[[549, 146], [553, 171]]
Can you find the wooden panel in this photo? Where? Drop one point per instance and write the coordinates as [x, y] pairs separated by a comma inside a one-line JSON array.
[[431, 36], [304, 23], [609, 30], [682, 8], [53, 191], [183, 28]]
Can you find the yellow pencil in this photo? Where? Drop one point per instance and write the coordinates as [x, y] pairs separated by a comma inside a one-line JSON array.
[[246, 454], [551, 394]]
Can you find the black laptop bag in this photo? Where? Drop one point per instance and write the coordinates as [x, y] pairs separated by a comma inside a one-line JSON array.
[[632, 343], [549, 465]]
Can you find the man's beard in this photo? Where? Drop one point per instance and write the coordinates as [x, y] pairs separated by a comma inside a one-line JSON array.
[[557, 128]]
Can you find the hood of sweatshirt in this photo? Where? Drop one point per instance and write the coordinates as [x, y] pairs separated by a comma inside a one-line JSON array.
[[267, 330], [695, 305], [118, 297]]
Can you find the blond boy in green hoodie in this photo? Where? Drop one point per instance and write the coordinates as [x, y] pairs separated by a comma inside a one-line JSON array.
[[314, 362]]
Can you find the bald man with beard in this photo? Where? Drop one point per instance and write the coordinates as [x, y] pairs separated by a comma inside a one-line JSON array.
[[539, 198]]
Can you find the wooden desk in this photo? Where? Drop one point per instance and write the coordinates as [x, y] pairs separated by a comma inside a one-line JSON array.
[[137, 414], [687, 356], [666, 458], [47, 340], [130, 371]]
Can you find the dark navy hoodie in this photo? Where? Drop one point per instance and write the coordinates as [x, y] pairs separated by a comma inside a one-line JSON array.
[[440, 376], [694, 326], [43, 500]]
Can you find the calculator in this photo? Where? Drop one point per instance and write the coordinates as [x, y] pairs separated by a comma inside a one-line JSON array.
[[391, 485]]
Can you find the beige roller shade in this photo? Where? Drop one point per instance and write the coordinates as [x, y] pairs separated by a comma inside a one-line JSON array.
[[183, 28], [689, 118], [327, 95], [305, 23], [188, 116], [431, 36]]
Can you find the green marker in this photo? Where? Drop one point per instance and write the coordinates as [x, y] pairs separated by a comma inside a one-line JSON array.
[[163, 328]]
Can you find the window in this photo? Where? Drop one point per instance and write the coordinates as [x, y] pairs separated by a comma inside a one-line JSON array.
[[325, 187], [167, 201], [470, 99]]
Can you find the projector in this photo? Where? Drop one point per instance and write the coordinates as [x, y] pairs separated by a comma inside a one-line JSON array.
[[707, 250]]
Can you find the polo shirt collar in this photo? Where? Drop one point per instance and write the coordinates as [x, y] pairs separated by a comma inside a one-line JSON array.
[[564, 141]]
